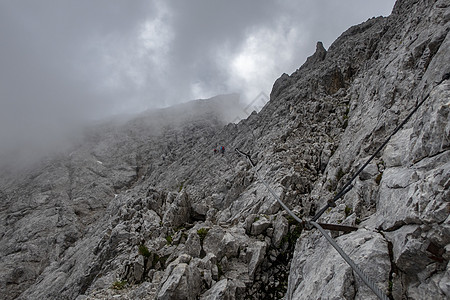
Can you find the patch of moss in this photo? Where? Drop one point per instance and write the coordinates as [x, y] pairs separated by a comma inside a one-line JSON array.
[[345, 124], [143, 250], [155, 260], [295, 234], [202, 232], [161, 259], [358, 221], [169, 239], [330, 188], [378, 178], [119, 285], [284, 240], [179, 228], [181, 186], [348, 211], [220, 270], [291, 220], [339, 174]]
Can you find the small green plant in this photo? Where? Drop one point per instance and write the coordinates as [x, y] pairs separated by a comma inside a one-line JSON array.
[[295, 233], [358, 221], [330, 188], [291, 220], [202, 232], [143, 250], [339, 174], [348, 211], [155, 260], [119, 285], [345, 124], [159, 259], [378, 178], [181, 186], [169, 239], [220, 270], [180, 228]]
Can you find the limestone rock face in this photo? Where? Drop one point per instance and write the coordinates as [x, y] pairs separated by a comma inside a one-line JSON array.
[[403, 193], [334, 278], [144, 209]]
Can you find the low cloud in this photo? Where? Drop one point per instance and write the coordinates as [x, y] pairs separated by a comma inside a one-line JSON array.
[[66, 63]]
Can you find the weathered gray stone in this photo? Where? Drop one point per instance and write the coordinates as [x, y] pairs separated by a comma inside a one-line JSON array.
[[369, 172], [182, 283], [176, 280], [229, 245], [138, 268], [395, 152], [212, 242], [408, 195], [321, 272], [444, 283], [178, 212], [257, 251], [222, 290], [281, 227], [408, 251], [249, 222], [193, 245], [259, 226]]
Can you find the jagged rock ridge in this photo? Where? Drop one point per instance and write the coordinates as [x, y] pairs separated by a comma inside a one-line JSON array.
[[174, 221]]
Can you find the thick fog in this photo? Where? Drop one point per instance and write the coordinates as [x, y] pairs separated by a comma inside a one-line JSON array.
[[65, 63]]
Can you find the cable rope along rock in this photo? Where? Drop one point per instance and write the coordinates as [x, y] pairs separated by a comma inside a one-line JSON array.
[[352, 264], [348, 185]]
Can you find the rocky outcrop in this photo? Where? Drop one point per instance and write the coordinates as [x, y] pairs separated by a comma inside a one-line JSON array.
[[401, 195], [146, 210]]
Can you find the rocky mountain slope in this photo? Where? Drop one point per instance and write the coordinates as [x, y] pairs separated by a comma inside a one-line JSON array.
[[132, 215]]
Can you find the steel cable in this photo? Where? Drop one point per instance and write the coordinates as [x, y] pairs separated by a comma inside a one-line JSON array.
[[352, 264], [348, 185], [345, 189]]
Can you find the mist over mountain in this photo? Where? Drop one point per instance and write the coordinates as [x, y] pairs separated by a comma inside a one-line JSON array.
[[28, 151], [68, 64], [143, 207]]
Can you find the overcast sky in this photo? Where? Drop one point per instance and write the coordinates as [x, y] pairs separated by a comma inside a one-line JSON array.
[[63, 62]]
